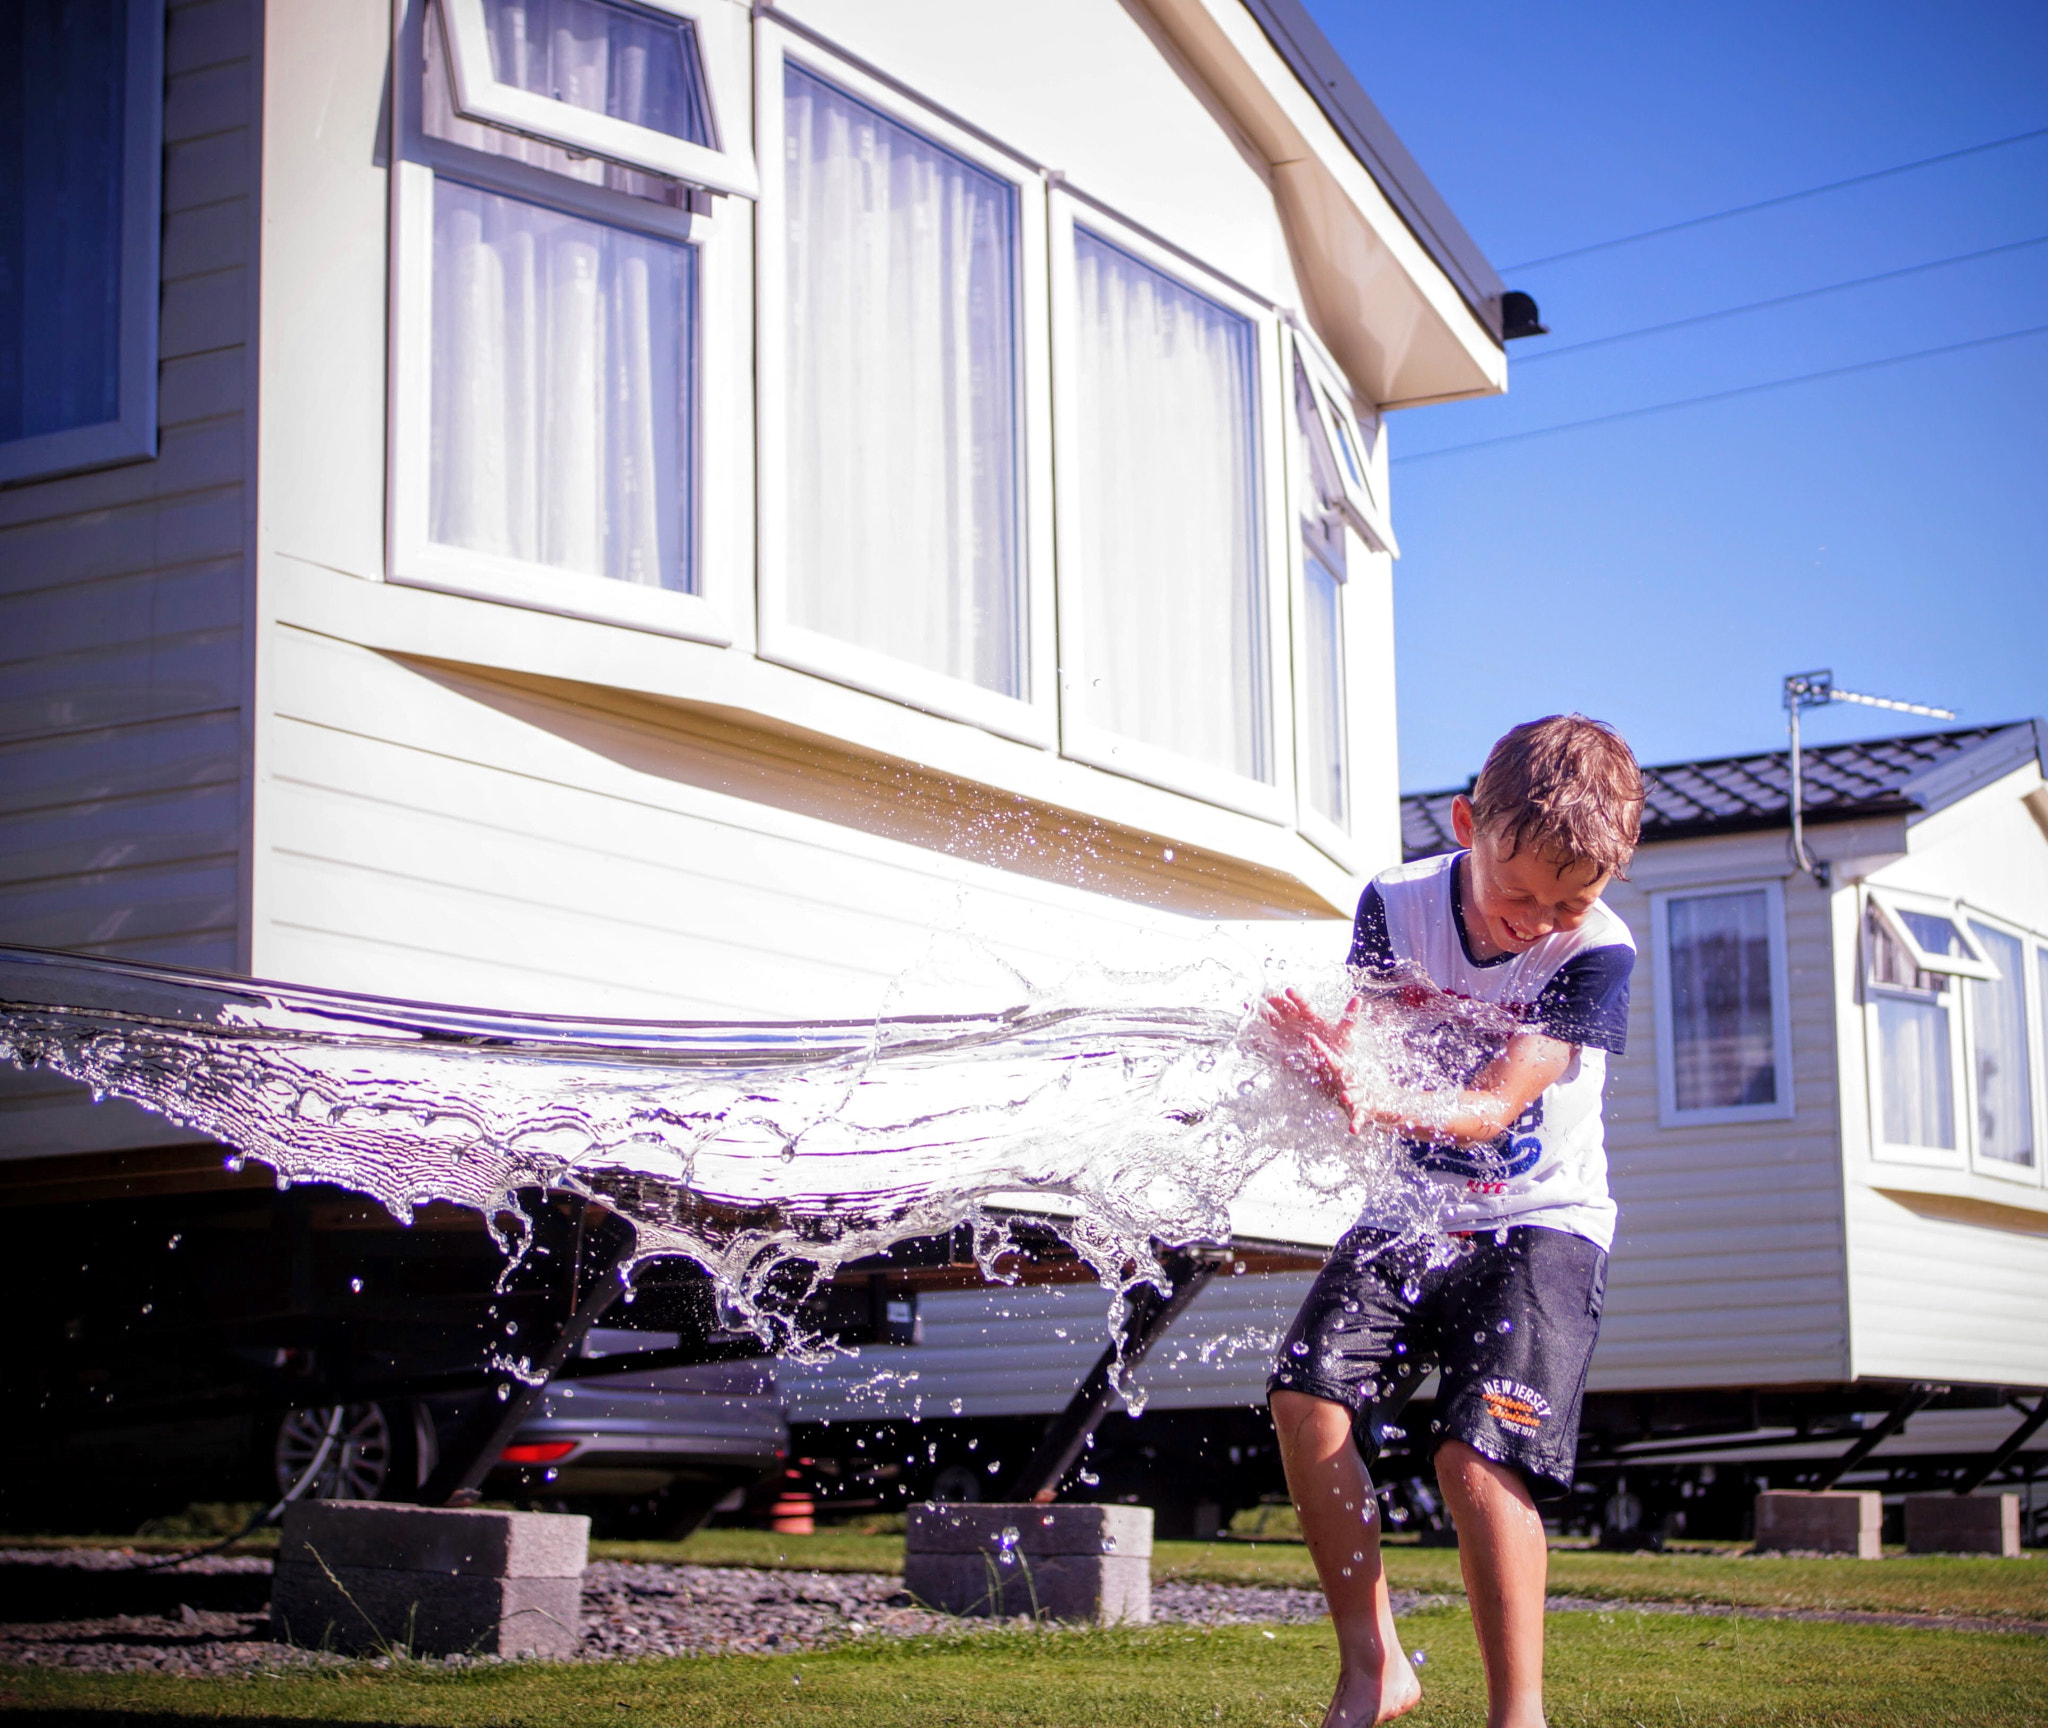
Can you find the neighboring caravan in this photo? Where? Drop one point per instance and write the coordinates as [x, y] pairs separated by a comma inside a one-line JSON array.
[[658, 514]]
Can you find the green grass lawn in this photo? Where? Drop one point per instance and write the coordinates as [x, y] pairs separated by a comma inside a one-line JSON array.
[[1916, 1584], [1617, 1670]]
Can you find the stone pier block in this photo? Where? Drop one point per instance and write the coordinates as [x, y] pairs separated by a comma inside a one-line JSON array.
[[1089, 1563], [360, 1575], [1832, 1521], [1963, 1524]]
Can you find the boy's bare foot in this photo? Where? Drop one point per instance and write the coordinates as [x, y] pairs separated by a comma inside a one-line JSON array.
[[1365, 1698]]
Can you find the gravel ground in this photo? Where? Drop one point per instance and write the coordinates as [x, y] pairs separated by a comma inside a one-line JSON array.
[[107, 1610]]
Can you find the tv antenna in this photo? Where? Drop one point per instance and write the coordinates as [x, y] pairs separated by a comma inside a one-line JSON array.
[[1817, 690]]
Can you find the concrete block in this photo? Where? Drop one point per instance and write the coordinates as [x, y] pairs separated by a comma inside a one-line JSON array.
[[1963, 1524], [1054, 1562], [469, 1541], [360, 1575], [1832, 1521]]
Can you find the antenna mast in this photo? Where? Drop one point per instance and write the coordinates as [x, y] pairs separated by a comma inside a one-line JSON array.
[[1817, 690]]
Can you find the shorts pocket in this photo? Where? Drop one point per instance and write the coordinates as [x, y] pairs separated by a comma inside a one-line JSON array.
[[1596, 1295]]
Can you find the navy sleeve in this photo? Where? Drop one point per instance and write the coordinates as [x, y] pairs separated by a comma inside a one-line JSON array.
[[1586, 1000], [1371, 946]]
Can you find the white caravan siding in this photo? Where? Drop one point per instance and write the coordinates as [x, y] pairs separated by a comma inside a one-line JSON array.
[[123, 653], [1948, 1271], [1727, 1265]]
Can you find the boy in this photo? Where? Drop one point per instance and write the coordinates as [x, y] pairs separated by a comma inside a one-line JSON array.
[[1502, 1288]]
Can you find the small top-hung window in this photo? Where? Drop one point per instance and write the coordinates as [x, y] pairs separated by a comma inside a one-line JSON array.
[[1915, 949], [1339, 464], [658, 86]]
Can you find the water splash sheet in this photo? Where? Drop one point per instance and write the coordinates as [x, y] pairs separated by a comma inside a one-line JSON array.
[[1129, 1111]]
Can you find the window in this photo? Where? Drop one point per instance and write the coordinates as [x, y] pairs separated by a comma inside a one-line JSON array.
[[1915, 1034], [659, 86], [904, 400], [1724, 1036], [81, 137], [1341, 457], [1166, 620], [1324, 725], [549, 379], [2000, 1079]]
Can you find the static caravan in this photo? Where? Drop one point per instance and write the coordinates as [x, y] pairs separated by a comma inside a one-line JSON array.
[[656, 508]]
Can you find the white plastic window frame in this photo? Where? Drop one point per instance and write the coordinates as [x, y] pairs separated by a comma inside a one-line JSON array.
[[2025, 1175], [1973, 964], [1334, 840], [1085, 740], [722, 29], [720, 557], [1887, 904], [1359, 469], [1032, 718], [131, 435], [1782, 1108]]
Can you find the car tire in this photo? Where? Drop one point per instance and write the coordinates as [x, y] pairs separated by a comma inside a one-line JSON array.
[[375, 1455]]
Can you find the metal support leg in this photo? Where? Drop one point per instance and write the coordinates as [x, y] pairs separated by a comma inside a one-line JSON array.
[[458, 1479], [1914, 1402], [2011, 1448], [1150, 1314]]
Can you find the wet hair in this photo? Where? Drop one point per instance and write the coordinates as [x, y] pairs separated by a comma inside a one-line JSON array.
[[1567, 786]]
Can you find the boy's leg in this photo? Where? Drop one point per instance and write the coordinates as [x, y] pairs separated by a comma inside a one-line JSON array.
[[1340, 1519], [1506, 1562]]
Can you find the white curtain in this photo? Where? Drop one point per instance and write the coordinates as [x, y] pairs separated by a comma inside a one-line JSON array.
[[1323, 721], [604, 59], [1913, 1068], [1165, 514], [560, 390], [902, 406], [1998, 1027], [1723, 1053]]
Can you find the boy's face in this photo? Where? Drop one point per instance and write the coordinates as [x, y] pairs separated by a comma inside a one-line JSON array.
[[1516, 900]]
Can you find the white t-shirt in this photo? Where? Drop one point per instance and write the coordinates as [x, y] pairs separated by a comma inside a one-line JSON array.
[[1550, 1168]]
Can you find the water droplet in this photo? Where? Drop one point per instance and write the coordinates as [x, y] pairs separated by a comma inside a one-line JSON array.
[[955, 1406], [1419, 1657], [512, 1328], [1479, 1337], [1109, 1544], [1298, 1347], [1411, 1291], [1505, 1327], [504, 1392], [1346, 1570], [356, 1286]]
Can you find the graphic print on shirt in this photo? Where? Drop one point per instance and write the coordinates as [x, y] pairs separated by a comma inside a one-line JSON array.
[[1550, 1167]]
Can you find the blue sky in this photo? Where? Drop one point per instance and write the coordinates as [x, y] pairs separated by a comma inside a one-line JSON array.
[[1665, 572]]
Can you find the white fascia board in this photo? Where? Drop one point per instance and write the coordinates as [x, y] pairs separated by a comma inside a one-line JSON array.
[[397, 619], [1316, 174]]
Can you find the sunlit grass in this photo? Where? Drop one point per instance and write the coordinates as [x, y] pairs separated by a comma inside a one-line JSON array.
[[1619, 1670]]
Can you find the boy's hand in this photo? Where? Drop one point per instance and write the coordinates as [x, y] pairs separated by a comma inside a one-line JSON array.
[[1315, 1047]]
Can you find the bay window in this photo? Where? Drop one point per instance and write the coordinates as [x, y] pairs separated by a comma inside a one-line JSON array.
[[1321, 502], [2000, 1057], [550, 368], [1165, 413], [1723, 1020], [81, 141], [905, 544]]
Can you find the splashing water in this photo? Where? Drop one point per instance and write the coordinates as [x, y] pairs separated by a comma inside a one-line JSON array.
[[1125, 1111]]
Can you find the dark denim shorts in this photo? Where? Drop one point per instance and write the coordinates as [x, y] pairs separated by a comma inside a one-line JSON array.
[[1510, 1318]]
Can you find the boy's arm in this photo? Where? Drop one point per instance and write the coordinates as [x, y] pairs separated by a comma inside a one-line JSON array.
[[1487, 1108]]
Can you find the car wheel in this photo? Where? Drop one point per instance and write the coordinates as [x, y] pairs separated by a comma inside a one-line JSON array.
[[364, 1462]]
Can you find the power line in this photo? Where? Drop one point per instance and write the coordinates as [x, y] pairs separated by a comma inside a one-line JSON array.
[[1724, 395], [1781, 300], [1772, 203]]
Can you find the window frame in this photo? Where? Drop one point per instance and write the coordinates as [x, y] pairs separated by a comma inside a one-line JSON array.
[[1085, 740], [721, 28], [1888, 903], [2027, 1175], [1032, 718], [1975, 964], [1784, 1107], [1365, 489], [131, 436], [720, 547]]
